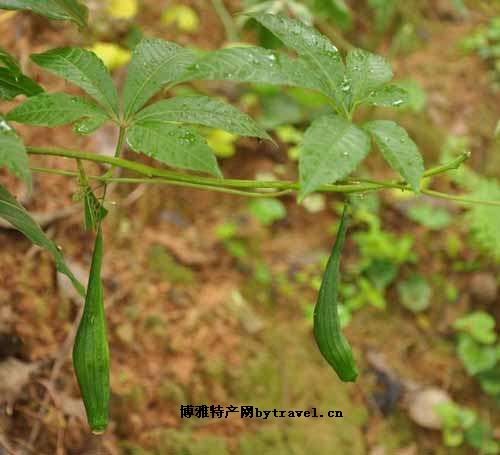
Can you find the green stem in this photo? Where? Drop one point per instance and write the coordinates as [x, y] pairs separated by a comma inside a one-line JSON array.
[[455, 164], [163, 181], [119, 146], [462, 199], [158, 176], [432, 172], [232, 34], [151, 172]]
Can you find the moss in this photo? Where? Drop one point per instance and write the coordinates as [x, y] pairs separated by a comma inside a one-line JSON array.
[[290, 374], [171, 391], [302, 437], [168, 268], [182, 442]]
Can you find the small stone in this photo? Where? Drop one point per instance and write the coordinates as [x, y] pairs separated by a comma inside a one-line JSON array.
[[484, 287], [422, 404]]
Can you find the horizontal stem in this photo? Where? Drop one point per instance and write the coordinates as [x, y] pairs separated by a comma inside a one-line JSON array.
[[162, 176], [457, 198], [164, 181], [151, 172], [432, 172]]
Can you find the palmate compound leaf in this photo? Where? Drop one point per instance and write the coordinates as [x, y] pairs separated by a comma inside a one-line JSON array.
[[315, 48], [54, 109], [398, 149], [173, 145], [155, 63], [12, 152], [202, 110], [332, 148], [65, 10], [337, 10], [84, 69], [255, 65], [18, 217]]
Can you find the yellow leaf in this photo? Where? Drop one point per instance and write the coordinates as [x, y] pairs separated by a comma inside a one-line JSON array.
[[122, 9], [112, 55], [184, 17], [222, 143]]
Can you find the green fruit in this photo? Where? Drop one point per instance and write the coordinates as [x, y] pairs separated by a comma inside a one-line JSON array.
[[90, 351], [331, 342]]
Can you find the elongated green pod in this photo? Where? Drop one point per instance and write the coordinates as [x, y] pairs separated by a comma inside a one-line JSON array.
[[331, 342], [91, 351]]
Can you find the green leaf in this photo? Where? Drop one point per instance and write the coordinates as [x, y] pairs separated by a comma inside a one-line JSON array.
[[54, 109], [479, 325], [255, 65], [280, 109], [415, 96], [88, 125], [385, 11], [481, 437], [173, 145], [453, 416], [415, 293], [476, 357], [399, 150], [64, 10], [9, 61], [430, 216], [490, 380], [332, 149], [12, 152], [15, 214], [388, 96], [316, 48], [13, 84], [84, 69], [337, 10], [267, 211], [202, 110], [365, 73], [155, 63]]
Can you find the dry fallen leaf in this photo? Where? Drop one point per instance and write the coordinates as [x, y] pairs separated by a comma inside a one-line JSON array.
[[184, 252], [72, 407], [14, 375]]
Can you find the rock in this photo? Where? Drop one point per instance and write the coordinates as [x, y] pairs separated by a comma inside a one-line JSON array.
[[422, 404], [484, 287], [14, 375]]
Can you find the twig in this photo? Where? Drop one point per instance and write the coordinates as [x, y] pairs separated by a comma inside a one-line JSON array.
[[6, 445], [56, 369]]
